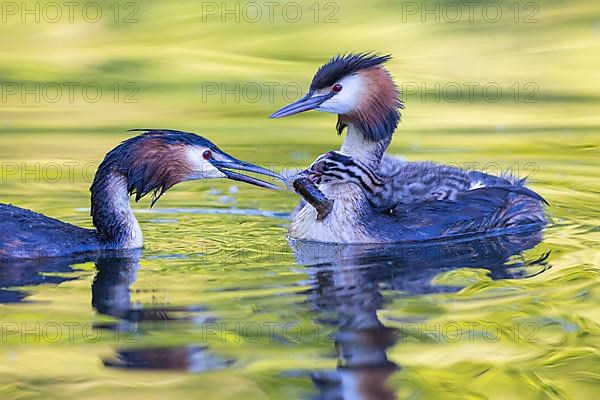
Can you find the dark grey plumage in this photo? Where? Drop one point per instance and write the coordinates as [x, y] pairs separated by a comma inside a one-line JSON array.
[[27, 234]]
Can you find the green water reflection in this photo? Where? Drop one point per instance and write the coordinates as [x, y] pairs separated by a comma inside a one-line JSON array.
[[213, 273]]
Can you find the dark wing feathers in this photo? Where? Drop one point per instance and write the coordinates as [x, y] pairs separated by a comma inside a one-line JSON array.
[[482, 210], [525, 191]]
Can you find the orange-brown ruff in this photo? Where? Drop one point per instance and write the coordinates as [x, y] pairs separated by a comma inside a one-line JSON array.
[[378, 104], [150, 163]]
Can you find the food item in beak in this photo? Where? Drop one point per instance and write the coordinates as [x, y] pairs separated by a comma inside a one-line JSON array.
[[311, 193]]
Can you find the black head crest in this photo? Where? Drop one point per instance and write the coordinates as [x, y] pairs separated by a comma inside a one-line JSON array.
[[343, 65]]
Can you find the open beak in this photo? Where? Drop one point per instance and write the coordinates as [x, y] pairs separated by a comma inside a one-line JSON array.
[[238, 165], [308, 102]]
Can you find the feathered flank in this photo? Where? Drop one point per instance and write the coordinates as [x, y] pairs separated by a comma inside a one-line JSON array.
[[343, 65]]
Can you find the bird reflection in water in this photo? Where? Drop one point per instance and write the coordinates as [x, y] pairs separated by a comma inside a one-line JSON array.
[[346, 294], [18, 273], [111, 295]]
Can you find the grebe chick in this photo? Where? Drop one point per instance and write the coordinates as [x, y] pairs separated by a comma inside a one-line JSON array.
[[150, 163], [409, 182]]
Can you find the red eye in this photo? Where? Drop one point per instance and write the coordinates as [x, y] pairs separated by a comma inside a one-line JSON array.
[[337, 88], [207, 154]]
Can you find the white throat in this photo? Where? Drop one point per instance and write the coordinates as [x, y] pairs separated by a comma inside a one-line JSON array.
[[355, 145]]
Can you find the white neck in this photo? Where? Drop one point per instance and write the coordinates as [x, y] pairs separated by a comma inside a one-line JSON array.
[[112, 214], [355, 145]]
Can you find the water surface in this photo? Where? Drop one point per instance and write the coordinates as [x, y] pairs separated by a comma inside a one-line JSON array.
[[219, 304]]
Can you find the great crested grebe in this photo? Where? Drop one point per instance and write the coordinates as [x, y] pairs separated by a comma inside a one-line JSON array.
[[379, 198], [152, 162]]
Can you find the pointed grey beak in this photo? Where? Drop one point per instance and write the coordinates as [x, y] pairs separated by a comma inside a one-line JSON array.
[[235, 164], [308, 102]]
